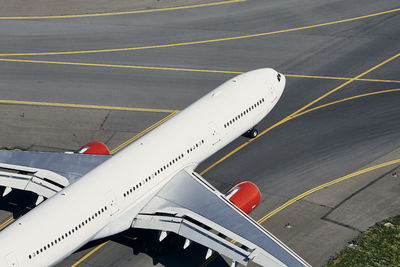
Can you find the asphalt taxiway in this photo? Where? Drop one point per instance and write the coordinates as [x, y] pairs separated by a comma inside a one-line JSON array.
[[326, 156]]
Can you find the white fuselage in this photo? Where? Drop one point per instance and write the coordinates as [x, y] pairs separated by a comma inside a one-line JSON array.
[[106, 200]]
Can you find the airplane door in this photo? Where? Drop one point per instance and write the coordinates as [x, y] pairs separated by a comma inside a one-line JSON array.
[[215, 137], [272, 93], [11, 260], [111, 203]]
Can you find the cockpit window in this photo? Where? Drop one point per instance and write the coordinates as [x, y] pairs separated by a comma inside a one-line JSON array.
[[279, 77]]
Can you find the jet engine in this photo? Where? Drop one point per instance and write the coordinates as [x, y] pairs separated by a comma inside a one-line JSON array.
[[245, 195], [97, 148]]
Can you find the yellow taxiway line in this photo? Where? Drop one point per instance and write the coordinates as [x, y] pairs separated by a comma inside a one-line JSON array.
[[127, 142], [346, 83], [51, 104], [6, 223], [123, 12], [322, 186], [293, 115], [309, 192], [184, 69], [89, 253], [203, 41], [345, 99]]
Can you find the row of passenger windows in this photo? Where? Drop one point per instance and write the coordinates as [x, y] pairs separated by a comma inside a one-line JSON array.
[[163, 168], [244, 113], [70, 232], [195, 146], [153, 175]]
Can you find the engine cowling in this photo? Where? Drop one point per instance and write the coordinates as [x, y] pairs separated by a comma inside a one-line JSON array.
[[245, 195], [97, 148]]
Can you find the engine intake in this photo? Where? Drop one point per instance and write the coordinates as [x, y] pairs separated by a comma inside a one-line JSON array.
[[245, 195], [97, 148]]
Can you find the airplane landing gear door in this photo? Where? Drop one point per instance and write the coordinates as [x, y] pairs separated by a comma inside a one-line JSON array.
[[111, 203], [11, 260]]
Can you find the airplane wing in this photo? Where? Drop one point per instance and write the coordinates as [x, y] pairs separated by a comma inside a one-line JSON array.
[[44, 173], [190, 207]]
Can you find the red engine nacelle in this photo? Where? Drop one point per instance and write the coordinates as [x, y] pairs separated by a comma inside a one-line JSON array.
[[97, 148], [245, 195]]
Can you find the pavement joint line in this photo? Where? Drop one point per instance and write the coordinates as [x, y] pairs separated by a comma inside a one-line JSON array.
[[185, 69], [113, 152], [122, 12], [203, 41], [293, 115], [89, 253], [309, 192], [55, 104], [325, 185]]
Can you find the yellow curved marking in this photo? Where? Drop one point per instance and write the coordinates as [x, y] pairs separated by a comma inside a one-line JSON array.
[[90, 253], [338, 180], [124, 144], [184, 69], [6, 223], [345, 99], [315, 189], [346, 83], [203, 41], [123, 12], [50, 104], [340, 78], [293, 115]]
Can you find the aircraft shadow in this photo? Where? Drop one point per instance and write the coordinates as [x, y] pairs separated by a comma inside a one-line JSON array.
[[168, 253]]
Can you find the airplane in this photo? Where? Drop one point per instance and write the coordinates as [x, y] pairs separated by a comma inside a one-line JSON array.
[[150, 184]]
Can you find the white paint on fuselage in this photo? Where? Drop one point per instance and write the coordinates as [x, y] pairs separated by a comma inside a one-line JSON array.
[[202, 123]]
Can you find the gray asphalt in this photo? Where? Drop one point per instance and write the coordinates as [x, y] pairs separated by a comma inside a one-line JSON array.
[[290, 159]]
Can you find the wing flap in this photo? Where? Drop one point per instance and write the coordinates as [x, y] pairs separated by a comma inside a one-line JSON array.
[[42, 182], [69, 165], [214, 221], [43, 173], [194, 232]]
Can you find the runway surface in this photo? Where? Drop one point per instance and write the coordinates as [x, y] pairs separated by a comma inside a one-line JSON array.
[[108, 78]]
